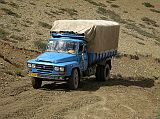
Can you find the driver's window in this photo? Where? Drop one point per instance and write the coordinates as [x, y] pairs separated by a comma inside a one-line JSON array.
[[82, 48]]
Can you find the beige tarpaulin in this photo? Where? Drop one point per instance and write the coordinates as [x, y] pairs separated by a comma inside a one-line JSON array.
[[101, 35]]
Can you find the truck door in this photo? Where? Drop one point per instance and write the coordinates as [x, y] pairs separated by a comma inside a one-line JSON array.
[[83, 57]]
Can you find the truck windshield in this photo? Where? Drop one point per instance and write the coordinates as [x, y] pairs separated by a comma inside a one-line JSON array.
[[62, 46]]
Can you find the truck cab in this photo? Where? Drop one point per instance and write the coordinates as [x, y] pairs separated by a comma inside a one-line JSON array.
[[65, 59]]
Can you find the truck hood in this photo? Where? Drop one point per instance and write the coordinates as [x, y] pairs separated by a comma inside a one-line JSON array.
[[56, 57]]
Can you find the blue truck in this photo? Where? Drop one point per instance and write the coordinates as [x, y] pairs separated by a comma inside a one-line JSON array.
[[76, 49]]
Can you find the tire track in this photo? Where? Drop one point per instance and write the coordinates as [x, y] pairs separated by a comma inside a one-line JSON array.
[[76, 105]]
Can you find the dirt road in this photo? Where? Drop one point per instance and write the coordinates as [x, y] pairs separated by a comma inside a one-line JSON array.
[[131, 93]]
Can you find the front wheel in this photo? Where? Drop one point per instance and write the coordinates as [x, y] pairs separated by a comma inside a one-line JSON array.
[[36, 83], [74, 80]]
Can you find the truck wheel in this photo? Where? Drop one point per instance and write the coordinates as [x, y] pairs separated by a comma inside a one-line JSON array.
[[105, 73], [102, 72], [74, 80], [36, 83]]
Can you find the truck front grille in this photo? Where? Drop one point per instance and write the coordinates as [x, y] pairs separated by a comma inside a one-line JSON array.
[[44, 67]]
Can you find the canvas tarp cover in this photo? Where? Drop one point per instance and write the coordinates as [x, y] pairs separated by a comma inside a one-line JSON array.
[[101, 35]]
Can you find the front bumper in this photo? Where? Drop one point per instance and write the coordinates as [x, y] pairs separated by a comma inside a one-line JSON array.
[[47, 76]]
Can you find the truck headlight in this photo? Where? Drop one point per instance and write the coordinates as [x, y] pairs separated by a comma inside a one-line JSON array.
[[56, 68], [33, 66], [29, 65], [61, 69]]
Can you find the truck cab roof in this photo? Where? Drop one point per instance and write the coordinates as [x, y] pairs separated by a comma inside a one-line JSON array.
[[66, 39], [70, 37]]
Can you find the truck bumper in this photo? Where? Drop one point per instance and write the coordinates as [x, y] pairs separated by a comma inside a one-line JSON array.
[[48, 76]]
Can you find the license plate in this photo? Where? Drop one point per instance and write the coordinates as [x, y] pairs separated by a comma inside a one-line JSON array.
[[33, 74]]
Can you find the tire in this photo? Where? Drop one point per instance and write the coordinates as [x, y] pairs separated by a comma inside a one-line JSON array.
[[105, 72], [36, 83], [74, 80], [102, 73]]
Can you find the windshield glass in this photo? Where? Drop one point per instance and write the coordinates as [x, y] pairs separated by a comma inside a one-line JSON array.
[[62, 46]]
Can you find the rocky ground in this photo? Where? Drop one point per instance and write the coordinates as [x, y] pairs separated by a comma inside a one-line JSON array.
[[133, 92]]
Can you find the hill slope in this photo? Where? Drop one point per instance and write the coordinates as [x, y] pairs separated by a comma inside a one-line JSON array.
[[24, 22]]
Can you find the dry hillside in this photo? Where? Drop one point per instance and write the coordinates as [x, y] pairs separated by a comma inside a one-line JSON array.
[[133, 92]]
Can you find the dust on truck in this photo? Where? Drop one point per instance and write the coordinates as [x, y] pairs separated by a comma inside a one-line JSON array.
[[76, 49]]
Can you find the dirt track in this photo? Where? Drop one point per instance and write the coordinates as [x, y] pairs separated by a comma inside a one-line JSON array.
[[127, 95]]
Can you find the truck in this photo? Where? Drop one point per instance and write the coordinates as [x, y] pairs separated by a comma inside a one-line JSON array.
[[76, 49]]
